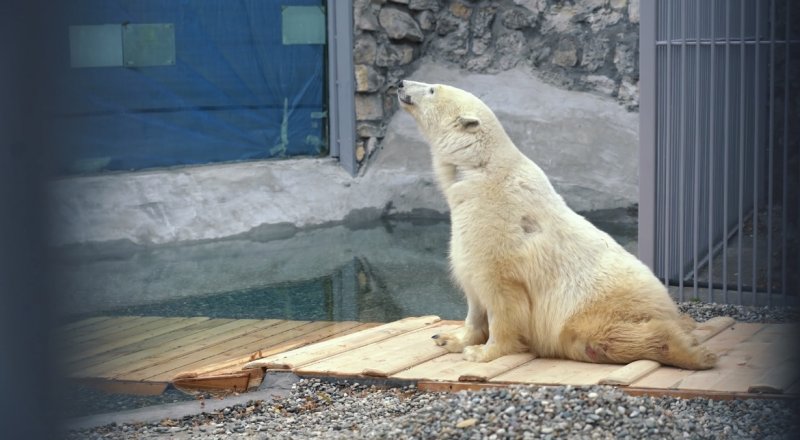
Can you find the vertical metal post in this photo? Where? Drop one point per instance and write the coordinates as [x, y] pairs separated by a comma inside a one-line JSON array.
[[742, 54], [341, 87], [647, 134], [696, 176], [667, 216], [770, 169], [756, 151], [785, 201], [726, 149], [711, 145], [681, 149]]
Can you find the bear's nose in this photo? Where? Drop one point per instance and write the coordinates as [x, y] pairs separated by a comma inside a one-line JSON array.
[[400, 85]]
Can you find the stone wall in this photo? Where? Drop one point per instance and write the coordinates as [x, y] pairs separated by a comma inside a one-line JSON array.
[[586, 45]]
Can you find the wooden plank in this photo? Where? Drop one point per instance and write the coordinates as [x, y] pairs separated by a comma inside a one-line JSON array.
[[482, 372], [748, 362], [233, 382], [384, 358], [259, 350], [235, 365], [557, 372], [630, 373], [134, 335], [730, 337], [71, 327], [777, 333], [733, 368], [706, 330], [246, 346], [156, 343], [778, 379], [108, 327], [721, 343], [663, 378], [453, 367], [302, 356], [159, 354]]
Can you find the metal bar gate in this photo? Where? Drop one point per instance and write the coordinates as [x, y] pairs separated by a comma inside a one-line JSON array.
[[719, 148]]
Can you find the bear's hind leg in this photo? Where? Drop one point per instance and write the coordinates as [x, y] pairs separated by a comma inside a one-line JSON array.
[[664, 341]]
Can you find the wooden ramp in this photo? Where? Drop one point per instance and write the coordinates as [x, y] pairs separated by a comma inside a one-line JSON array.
[[755, 360], [143, 354]]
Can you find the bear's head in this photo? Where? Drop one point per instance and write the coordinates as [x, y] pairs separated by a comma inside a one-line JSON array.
[[455, 122]]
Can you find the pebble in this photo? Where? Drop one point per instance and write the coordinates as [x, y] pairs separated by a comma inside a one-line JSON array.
[[372, 412]]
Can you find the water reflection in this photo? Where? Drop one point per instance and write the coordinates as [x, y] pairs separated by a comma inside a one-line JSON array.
[[371, 273]]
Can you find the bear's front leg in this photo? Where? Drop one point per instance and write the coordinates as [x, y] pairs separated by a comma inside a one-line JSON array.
[[474, 331], [504, 338]]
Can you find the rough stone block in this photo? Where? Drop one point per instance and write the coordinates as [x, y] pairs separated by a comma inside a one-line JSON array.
[[481, 44], [448, 23], [369, 129], [595, 52], [517, 18], [566, 55], [368, 79], [481, 22], [426, 20], [364, 18], [365, 49], [360, 152], [369, 107], [424, 5], [394, 55], [399, 25], [460, 10], [633, 11], [604, 20], [625, 57], [602, 84], [535, 6], [512, 48], [628, 91], [618, 4]]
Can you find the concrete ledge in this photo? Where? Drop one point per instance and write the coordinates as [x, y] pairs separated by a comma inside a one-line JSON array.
[[215, 201]]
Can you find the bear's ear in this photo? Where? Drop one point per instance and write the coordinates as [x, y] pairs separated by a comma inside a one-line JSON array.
[[469, 122]]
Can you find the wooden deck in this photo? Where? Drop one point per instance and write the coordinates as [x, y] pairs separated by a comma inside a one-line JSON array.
[[755, 360], [143, 354]]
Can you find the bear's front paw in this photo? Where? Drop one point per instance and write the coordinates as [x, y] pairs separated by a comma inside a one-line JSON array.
[[449, 341], [480, 353]]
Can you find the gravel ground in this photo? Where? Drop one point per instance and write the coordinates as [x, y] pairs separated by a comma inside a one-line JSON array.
[[317, 409]]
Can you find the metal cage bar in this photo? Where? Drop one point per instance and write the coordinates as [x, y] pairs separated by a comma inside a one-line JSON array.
[[717, 192]]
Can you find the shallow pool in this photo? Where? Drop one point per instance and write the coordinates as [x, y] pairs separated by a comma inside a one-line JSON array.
[[374, 272]]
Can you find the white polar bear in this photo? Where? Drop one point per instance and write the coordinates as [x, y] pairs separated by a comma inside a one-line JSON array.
[[537, 276]]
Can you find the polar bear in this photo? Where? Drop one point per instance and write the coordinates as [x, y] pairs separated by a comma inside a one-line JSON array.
[[537, 276]]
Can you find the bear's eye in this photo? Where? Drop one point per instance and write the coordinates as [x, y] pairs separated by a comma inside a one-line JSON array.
[[431, 90]]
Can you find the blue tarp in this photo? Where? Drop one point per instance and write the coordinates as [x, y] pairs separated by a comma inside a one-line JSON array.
[[235, 91]]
